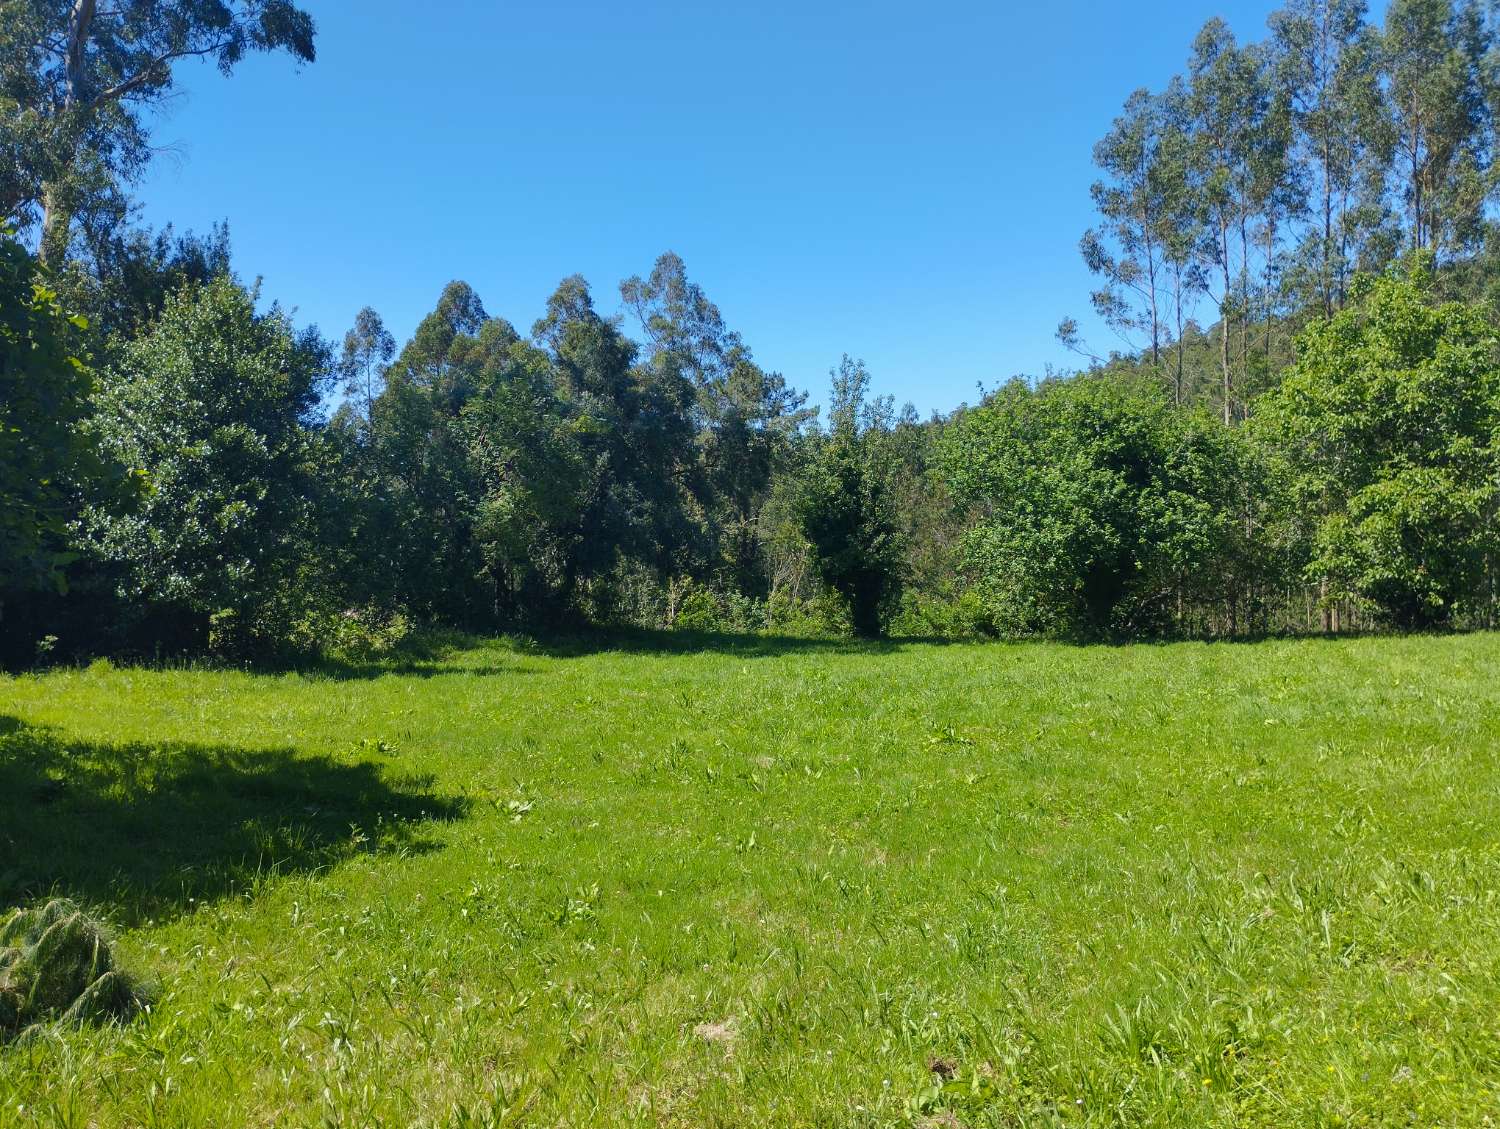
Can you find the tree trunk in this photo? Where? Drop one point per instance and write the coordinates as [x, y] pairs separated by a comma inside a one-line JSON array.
[[53, 245], [57, 216], [1224, 322]]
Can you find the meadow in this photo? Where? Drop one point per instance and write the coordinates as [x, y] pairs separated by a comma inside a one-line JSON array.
[[722, 881]]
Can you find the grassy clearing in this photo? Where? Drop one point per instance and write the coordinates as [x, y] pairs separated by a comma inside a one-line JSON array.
[[770, 883]]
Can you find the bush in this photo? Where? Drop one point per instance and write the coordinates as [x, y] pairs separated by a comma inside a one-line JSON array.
[[58, 964], [1389, 427], [823, 614], [352, 633], [1100, 505], [947, 615]]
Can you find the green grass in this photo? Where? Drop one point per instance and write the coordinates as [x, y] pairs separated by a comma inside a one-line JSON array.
[[751, 883]]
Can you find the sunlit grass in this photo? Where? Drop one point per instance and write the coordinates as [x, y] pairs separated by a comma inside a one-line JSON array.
[[763, 883]]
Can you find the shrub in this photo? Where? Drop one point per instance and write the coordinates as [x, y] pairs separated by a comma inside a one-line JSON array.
[[1388, 427], [1098, 505], [351, 633]]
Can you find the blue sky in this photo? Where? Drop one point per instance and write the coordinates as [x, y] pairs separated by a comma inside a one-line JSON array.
[[903, 183]]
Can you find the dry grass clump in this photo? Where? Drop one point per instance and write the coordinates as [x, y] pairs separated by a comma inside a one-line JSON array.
[[57, 964]]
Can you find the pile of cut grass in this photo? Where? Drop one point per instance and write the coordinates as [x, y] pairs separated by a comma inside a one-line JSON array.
[[773, 882]]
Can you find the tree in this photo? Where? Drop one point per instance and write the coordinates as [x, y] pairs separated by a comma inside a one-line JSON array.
[[743, 417], [1100, 505], [1389, 425], [1132, 204], [1436, 70], [532, 484], [46, 461], [1328, 65], [845, 507], [635, 425], [368, 349], [422, 480], [1239, 146], [216, 408], [75, 78]]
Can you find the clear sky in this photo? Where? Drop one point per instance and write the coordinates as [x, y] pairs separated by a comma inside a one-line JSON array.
[[905, 183]]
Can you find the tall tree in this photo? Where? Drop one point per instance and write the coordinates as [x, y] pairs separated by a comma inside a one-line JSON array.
[[1327, 59], [845, 505], [1237, 166], [1181, 230], [368, 349], [76, 76], [1435, 69], [742, 415], [635, 427], [45, 459], [1126, 250]]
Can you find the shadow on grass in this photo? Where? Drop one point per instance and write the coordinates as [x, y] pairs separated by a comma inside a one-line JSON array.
[[646, 641], [338, 670], [149, 830], [498, 656]]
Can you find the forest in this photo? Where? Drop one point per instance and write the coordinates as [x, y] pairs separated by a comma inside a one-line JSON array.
[[1295, 428]]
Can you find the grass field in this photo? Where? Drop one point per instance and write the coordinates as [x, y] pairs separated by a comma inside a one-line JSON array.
[[774, 883]]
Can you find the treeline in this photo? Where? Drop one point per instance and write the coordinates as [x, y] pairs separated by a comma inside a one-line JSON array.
[[183, 470], [478, 477], [1254, 187]]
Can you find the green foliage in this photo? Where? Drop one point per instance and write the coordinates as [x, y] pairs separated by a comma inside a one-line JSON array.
[[77, 81], [56, 963], [213, 407], [350, 633], [1099, 505], [845, 505], [1389, 425], [45, 460]]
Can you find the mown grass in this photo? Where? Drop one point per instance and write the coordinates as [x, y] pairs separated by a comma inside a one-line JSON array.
[[744, 883]]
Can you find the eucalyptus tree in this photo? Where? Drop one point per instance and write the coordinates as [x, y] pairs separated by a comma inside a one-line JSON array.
[[423, 479], [77, 79], [1436, 71], [1181, 220], [636, 434], [367, 353], [743, 416], [531, 482], [1238, 151], [1328, 65], [1126, 249]]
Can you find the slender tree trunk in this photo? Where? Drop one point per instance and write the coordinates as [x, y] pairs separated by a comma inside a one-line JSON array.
[[1327, 230], [1177, 376], [53, 245], [1244, 296], [56, 214], [1155, 316], [1269, 283], [1224, 323]]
